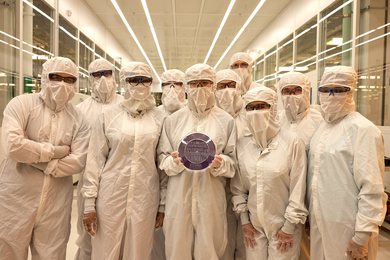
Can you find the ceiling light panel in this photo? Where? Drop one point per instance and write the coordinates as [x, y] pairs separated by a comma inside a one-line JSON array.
[[120, 13], [145, 6], [229, 9], [261, 3]]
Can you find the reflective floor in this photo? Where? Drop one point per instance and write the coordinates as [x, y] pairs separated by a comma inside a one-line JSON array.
[[383, 250]]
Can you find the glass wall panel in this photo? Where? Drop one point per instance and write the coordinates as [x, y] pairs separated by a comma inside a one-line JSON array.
[[270, 68], [373, 58], [110, 59], [99, 53], [335, 36], [38, 47], [259, 76], [67, 40], [285, 62], [9, 53], [85, 58], [306, 46]]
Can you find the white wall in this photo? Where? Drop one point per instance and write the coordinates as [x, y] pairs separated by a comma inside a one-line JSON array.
[[87, 22]]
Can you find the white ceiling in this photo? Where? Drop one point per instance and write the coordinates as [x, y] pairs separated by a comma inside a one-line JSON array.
[[184, 29]]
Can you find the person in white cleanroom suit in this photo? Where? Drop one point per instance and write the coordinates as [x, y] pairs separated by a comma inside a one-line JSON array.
[[173, 97], [228, 98], [242, 63], [103, 95], [345, 175], [269, 189], [297, 115], [45, 141], [121, 173], [195, 222]]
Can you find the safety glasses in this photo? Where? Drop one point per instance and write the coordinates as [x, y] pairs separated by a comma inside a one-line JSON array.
[[230, 84], [239, 65], [261, 106], [180, 84], [294, 91], [331, 91], [200, 84], [134, 81], [99, 74], [68, 79]]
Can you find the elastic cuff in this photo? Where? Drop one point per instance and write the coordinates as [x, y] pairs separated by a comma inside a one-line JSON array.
[[40, 166], [215, 171], [361, 238], [161, 208], [288, 227], [244, 218], [174, 168], [51, 168], [89, 205]]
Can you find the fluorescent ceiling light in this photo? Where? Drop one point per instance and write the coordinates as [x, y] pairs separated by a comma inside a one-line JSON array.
[[240, 32], [153, 32], [220, 29], [335, 41], [134, 37]]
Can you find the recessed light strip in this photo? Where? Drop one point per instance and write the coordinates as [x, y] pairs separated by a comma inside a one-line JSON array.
[[240, 32], [134, 37], [220, 29], [145, 6], [39, 10]]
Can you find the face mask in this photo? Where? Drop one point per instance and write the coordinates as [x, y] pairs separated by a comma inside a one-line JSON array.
[[104, 88], [200, 97], [139, 92], [245, 79], [291, 104], [170, 98], [332, 104], [229, 101], [61, 92], [258, 120]]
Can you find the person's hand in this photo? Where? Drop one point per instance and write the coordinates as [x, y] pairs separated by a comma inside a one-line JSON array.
[[67, 150], [159, 220], [249, 235], [176, 158], [216, 162], [90, 223], [357, 252], [285, 241]]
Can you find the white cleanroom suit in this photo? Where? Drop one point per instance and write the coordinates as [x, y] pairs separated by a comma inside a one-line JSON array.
[[121, 173], [345, 174], [269, 189], [103, 95], [173, 97], [297, 114], [36, 190], [195, 221], [298, 117], [230, 100], [244, 73]]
